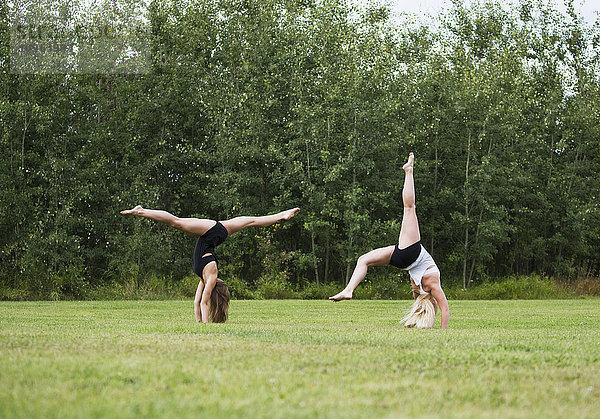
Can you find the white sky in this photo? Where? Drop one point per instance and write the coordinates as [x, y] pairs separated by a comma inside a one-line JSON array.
[[589, 9]]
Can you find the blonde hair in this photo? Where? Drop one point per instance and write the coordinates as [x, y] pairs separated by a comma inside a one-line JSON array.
[[422, 312]]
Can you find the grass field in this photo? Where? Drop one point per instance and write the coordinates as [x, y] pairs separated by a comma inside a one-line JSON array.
[[299, 359]]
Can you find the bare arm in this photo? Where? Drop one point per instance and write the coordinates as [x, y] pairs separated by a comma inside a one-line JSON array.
[[415, 289], [205, 301], [197, 301], [438, 293]]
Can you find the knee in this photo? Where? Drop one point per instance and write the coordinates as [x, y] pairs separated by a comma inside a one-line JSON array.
[[363, 260]]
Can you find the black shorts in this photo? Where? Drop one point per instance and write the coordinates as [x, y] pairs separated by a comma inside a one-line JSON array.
[[403, 258], [206, 244]]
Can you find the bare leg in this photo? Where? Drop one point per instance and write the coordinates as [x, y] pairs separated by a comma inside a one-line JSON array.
[[409, 232], [195, 226], [240, 223], [375, 257]]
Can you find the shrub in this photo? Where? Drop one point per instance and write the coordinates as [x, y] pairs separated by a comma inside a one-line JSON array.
[[151, 287], [383, 287], [189, 285], [14, 294], [275, 287], [513, 288], [364, 291], [68, 284], [239, 289], [589, 287], [318, 292]]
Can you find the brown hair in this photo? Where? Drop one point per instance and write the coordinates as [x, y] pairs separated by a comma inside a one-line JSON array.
[[219, 302]]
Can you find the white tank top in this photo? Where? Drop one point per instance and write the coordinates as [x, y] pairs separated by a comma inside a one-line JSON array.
[[418, 268]]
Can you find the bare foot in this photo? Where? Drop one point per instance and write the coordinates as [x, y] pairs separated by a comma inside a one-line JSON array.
[[290, 213], [137, 210], [409, 164], [344, 295]]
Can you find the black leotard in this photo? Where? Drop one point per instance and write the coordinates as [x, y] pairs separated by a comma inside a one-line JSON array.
[[206, 244], [403, 258]]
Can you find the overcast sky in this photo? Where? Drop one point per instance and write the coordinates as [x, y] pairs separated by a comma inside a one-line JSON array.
[[587, 8]]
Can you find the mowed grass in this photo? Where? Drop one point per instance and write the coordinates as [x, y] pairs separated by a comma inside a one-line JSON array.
[[299, 359]]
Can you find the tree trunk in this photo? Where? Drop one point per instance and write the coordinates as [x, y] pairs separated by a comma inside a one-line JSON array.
[[466, 243], [435, 170], [229, 205], [316, 265], [25, 126], [470, 279], [326, 273], [349, 264], [551, 161], [466, 248], [577, 152]]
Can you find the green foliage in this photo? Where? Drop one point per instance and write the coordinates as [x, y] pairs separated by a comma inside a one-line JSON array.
[[275, 287], [379, 287], [152, 287], [514, 288], [385, 287], [318, 292], [249, 107], [585, 287], [13, 294], [239, 290]]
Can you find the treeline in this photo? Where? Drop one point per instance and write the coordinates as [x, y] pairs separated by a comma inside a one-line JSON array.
[[248, 107]]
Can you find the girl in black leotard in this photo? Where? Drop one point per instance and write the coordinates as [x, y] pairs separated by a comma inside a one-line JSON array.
[[212, 296]]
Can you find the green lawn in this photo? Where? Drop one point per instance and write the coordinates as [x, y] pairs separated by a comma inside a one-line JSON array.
[[299, 358]]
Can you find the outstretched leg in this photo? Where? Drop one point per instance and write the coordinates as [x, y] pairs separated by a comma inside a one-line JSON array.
[[240, 223], [409, 232], [195, 226], [375, 257]]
